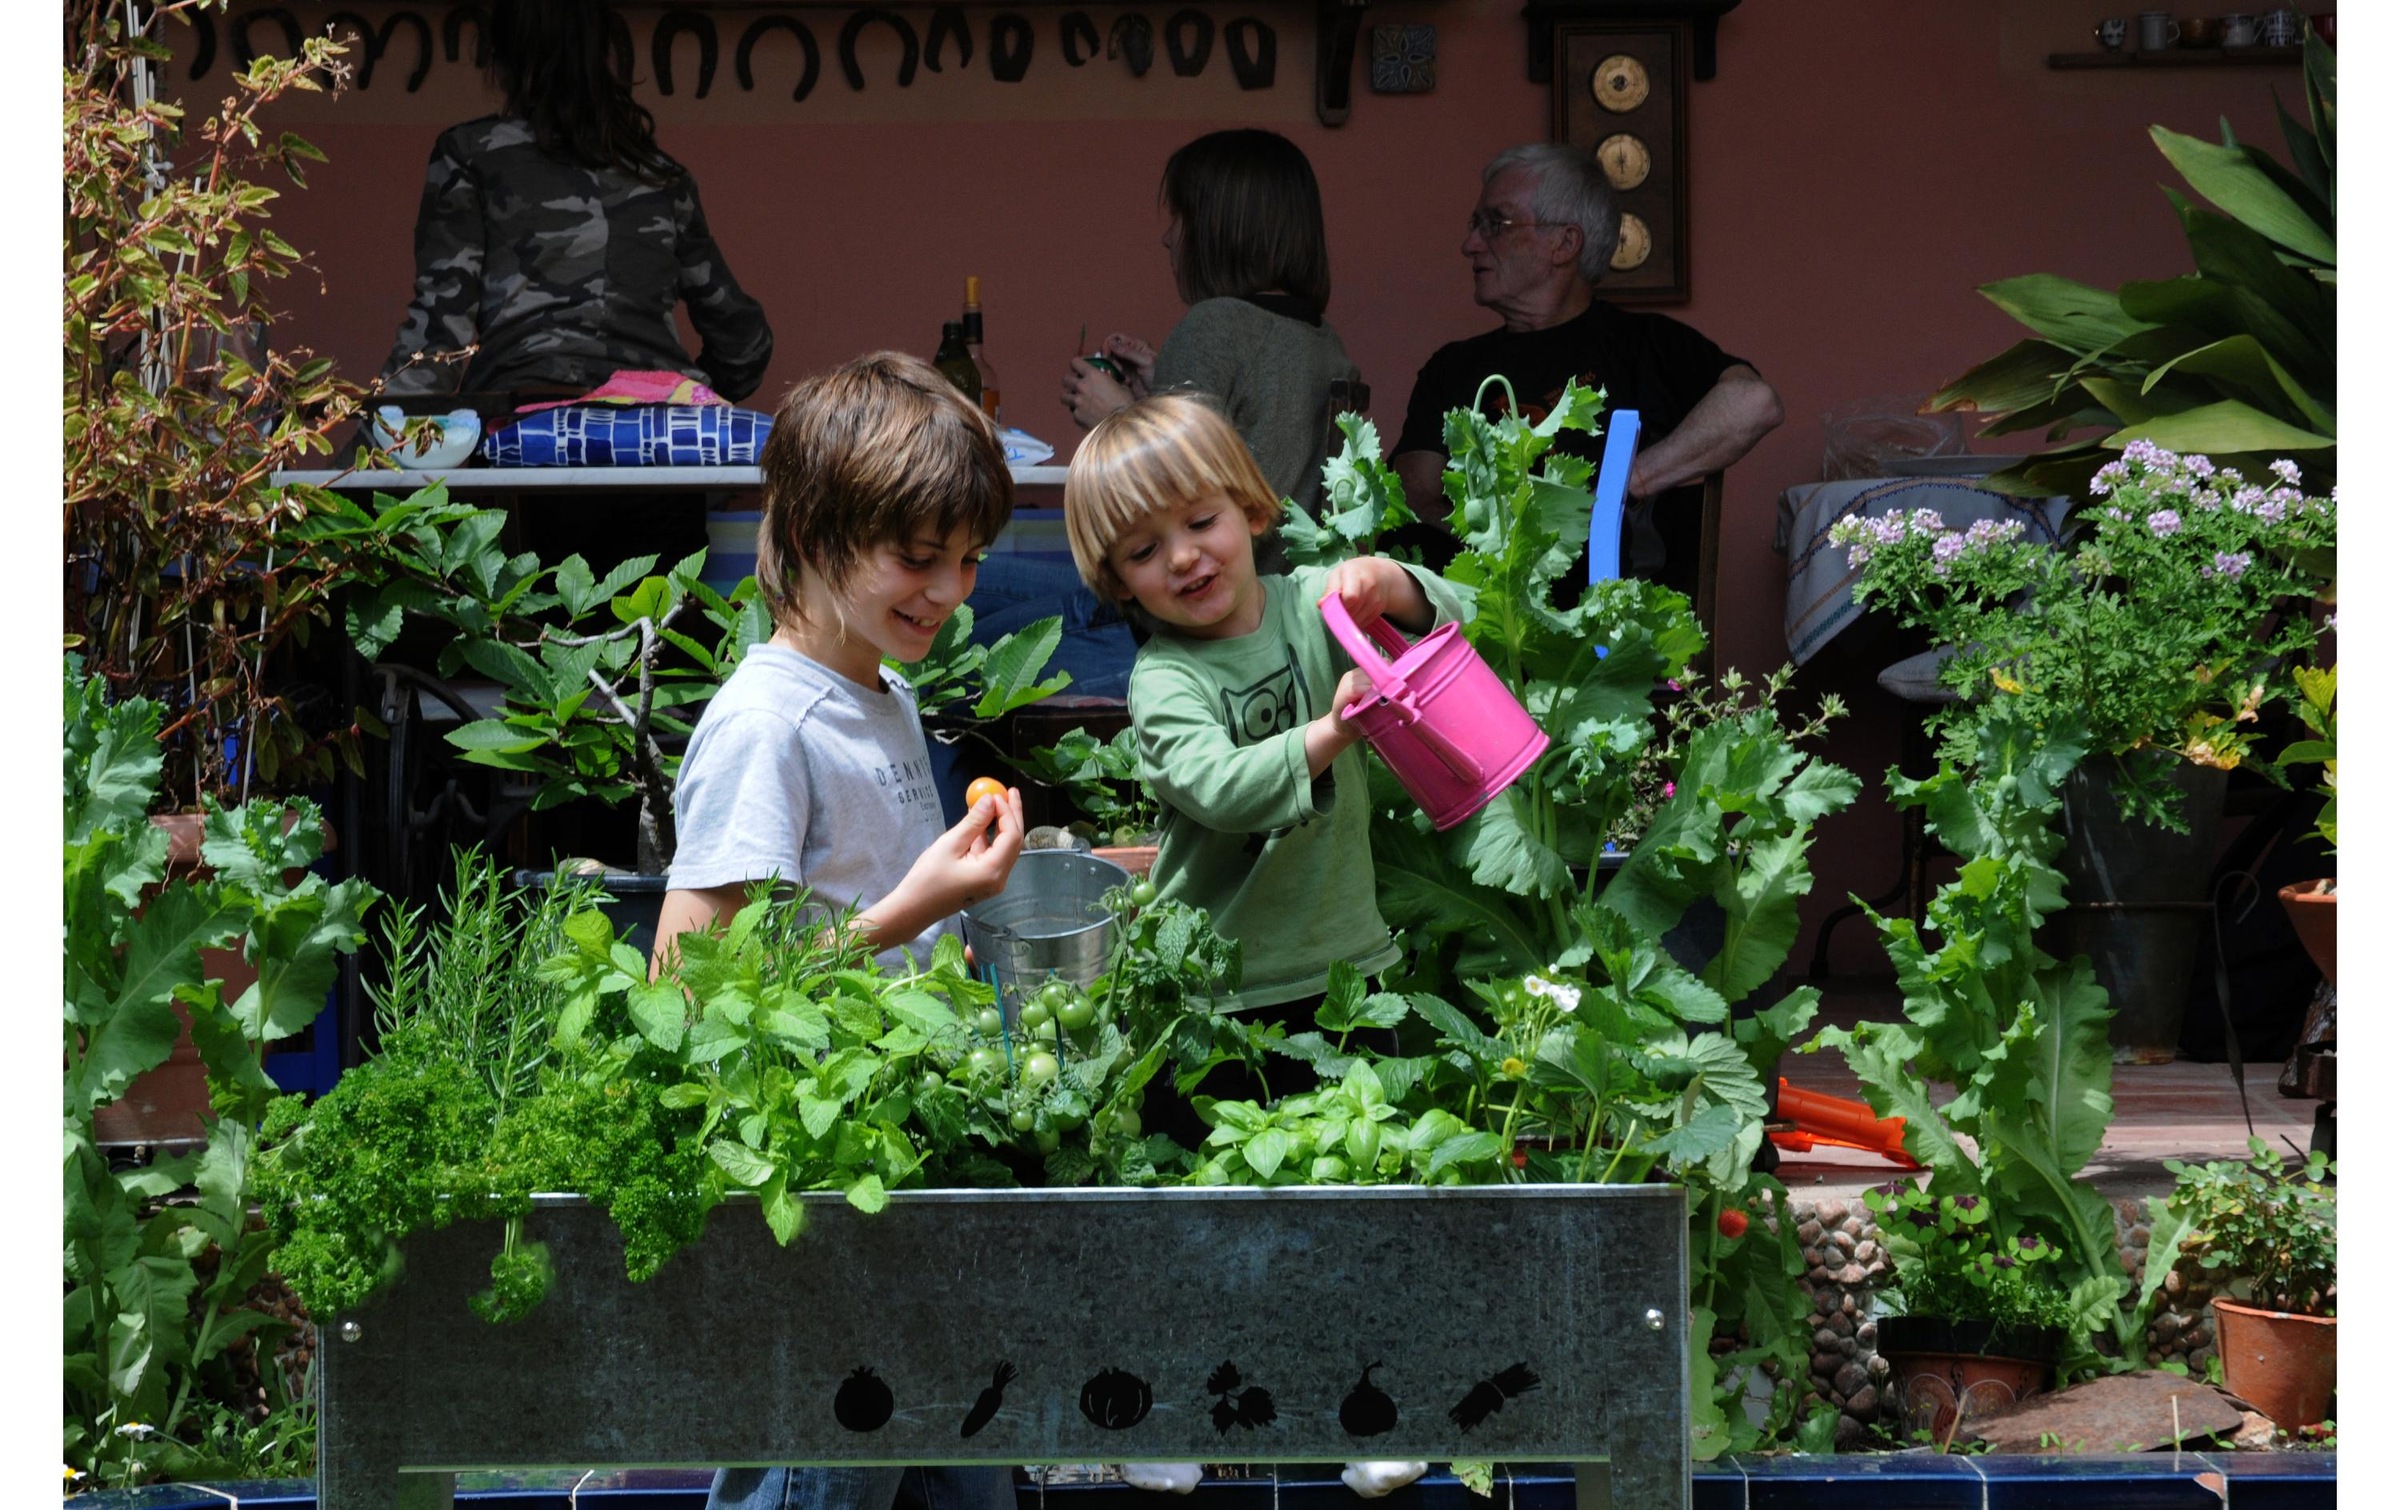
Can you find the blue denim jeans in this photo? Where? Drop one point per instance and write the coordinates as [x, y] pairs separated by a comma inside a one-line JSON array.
[[1095, 644], [862, 1489]]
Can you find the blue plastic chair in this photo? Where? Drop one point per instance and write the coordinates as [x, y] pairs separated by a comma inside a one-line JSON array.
[[1608, 498]]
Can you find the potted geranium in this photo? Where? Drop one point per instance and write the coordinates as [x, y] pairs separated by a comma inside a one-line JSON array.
[[2269, 1228], [2156, 638], [1984, 1318]]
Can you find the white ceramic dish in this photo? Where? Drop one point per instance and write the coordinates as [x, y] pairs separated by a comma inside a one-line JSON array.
[[451, 442]]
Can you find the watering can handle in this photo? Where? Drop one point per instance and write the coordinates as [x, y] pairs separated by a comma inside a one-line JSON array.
[[1393, 689], [1377, 667]]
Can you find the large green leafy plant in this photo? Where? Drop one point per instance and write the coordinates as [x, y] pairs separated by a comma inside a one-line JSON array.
[[2156, 635], [161, 1258], [183, 582], [2019, 1036], [2234, 360]]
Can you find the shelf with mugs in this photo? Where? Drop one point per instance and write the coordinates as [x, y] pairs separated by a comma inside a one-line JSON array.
[[2259, 56]]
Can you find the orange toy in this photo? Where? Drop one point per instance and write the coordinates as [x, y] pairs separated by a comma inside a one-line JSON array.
[[1826, 1119]]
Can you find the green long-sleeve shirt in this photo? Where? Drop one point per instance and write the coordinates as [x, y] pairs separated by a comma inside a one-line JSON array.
[[1280, 859]]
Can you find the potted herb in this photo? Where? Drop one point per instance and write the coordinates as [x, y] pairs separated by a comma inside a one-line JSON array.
[[2311, 903], [1984, 1317], [1104, 779], [2153, 641], [2268, 1227]]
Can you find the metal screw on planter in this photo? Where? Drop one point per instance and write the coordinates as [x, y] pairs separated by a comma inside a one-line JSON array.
[[1656, 1318], [352, 1331]]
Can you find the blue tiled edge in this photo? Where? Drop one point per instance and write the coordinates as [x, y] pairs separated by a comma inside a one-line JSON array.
[[1851, 1481]]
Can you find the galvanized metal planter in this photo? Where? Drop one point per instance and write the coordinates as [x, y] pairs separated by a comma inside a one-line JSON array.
[[1531, 1322]]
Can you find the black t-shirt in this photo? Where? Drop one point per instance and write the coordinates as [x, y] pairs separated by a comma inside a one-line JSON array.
[[1649, 363]]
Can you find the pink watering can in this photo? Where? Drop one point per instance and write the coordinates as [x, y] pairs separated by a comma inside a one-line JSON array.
[[1440, 719]]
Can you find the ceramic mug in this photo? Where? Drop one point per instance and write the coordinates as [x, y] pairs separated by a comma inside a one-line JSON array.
[[2241, 30], [2282, 28], [2323, 22], [2157, 32], [2111, 33], [2197, 31]]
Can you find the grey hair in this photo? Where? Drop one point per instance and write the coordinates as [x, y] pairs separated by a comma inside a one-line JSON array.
[[1568, 189]]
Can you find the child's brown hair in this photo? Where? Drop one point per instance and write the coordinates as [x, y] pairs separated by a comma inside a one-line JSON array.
[[1154, 454], [874, 452]]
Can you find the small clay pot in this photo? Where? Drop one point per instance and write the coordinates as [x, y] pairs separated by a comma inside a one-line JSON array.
[[1136, 858], [2278, 1361], [2312, 914], [1954, 1372]]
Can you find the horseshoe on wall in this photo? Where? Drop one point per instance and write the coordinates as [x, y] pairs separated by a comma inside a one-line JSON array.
[[662, 49], [808, 52], [1253, 66], [204, 44], [620, 47], [1132, 32], [1011, 51], [459, 16], [1072, 25], [848, 45], [243, 53], [374, 42], [1188, 62], [950, 21]]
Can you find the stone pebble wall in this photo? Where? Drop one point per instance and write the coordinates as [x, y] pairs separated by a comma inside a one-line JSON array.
[[1843, 1249]]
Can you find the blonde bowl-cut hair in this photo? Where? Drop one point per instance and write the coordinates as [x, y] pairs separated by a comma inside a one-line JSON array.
[[875, 452], [1152, 455]]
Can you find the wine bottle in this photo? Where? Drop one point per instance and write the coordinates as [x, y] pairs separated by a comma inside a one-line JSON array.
[[983, 366], [953, 362]]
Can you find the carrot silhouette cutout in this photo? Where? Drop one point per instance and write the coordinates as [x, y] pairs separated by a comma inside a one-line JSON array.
[[987, 1404], [1489, 1395]]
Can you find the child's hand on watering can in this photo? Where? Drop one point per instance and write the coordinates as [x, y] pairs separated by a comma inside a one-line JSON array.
[[1375, 587], [1356, 687]]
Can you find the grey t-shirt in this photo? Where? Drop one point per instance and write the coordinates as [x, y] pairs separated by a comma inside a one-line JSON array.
[[1273, 374], [798, 772]]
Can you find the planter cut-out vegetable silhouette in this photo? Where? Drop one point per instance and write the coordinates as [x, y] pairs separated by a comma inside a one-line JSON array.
[[1488, 1395], [1114, 1399], [864, 1402], [1366, 1410], [1252, 1407], [987, 1404]]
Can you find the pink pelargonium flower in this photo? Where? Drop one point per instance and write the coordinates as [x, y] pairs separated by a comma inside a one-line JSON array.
[[2230, 565], [2164, 523], [1667, 791]]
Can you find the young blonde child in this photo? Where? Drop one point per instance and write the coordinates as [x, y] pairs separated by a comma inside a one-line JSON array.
[[1236, 704], [883, 486]]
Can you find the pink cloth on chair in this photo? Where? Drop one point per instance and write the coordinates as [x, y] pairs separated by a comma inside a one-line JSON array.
[[633, 386]]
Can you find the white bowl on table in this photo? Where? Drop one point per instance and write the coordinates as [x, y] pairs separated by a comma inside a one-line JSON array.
[[446, 439]]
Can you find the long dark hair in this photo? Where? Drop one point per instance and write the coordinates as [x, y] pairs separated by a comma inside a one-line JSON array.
[[550, 57], [1248, 218]]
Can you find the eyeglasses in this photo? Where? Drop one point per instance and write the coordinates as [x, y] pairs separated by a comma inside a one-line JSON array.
[[1490, 223]]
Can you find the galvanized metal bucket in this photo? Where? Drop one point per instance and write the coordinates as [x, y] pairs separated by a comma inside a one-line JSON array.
[[1049, 920]]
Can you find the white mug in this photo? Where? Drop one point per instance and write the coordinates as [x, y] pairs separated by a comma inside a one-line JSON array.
[[2283, 28], [2158, 32], [2241, 30]]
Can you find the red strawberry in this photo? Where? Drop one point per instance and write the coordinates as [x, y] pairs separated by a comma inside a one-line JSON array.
[[1733, 1223]]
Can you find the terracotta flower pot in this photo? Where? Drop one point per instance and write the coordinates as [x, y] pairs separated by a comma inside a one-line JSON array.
[[1952, 1373], [1136, 858], [2312, 917], [2279, 1362]]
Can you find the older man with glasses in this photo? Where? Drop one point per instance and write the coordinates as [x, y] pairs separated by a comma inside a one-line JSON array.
[[1538, 239]]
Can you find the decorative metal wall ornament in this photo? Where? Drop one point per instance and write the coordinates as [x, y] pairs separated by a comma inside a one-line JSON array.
[[1131, 32], [1187, 61], [204, 41], [808, 52], [244, 53], [372, 42], [948, 20], [847, 47], [1250, 43], [1401, 59], [662, 49], [1012, 47], [1075, 24], [459, 16], [1621, 94]]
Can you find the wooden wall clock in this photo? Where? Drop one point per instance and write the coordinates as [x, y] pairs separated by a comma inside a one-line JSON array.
[[1619, 93]]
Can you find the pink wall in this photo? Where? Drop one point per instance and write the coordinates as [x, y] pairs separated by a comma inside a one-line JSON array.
[[1856, 171]]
